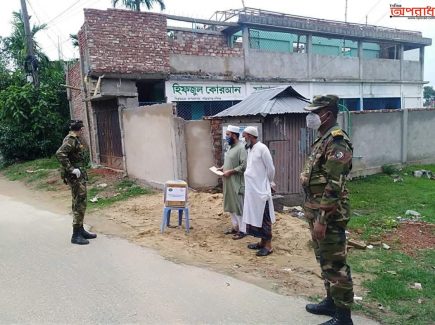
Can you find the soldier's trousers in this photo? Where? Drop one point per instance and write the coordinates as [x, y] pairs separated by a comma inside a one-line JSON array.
[[331, 254], [79, 200]]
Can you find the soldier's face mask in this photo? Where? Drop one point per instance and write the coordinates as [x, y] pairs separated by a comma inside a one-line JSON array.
[[314, 121]]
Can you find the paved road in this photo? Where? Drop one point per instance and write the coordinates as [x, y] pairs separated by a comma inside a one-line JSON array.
[[45, 279]]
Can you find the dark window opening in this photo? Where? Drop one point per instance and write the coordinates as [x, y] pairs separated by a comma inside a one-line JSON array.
[[197, 110], [352, 104], [381, 103], [151, 92]]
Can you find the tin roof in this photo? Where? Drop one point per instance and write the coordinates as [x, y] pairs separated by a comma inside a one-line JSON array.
[[278, 100]]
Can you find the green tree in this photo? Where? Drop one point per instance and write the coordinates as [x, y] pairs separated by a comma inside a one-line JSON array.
[[16, 45], [135, 4], [33, 120], [74, 40], [30, 124], [428, 95]]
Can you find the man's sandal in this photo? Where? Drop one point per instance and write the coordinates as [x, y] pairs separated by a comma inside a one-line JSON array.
[[264, 252], [239, 235], [255, 246]]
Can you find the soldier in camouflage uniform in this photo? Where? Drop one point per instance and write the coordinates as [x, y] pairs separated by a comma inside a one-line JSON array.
[[327, 207], [71, 156]]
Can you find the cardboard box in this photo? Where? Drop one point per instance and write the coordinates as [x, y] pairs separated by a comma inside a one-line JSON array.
[[175, 194]]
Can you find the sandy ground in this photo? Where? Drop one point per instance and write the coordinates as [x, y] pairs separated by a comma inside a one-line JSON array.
[[290, 270]]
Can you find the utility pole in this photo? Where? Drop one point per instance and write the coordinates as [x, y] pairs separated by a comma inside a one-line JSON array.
[[345, 12], [31, 64]]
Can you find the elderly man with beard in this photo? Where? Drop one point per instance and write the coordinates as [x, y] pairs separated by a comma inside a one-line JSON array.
[[233, 181], [258, 212]]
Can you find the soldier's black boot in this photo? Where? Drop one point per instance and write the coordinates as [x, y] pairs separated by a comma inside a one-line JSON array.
[[77, 237], [341, 317], [325, 307], [87, 235]]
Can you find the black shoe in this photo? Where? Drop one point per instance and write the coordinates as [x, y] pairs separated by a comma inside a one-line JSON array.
[[87, 235], [325, 307], [341, 317], [77, 237]]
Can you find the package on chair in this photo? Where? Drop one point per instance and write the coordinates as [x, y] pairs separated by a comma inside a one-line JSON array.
[[175, 194]]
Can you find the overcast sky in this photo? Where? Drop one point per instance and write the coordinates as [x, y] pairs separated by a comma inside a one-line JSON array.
[[66, 16]]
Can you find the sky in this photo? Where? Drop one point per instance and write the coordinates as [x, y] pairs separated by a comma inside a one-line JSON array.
[[65, 17]]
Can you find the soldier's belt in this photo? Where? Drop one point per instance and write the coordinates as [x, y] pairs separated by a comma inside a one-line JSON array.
[[316, 189]]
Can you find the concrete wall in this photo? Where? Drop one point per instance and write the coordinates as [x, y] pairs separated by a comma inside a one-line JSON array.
[[390, 137], [154, 144], [412, 71], [276, 65], [381, 69], [331, 67], [199, 154], [421, 135], [197, 64], [377, 138], [118, 87]]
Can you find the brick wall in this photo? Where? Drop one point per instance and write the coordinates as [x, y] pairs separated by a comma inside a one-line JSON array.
[[125, 41], [216, 134], [191, 43], [76, 97]]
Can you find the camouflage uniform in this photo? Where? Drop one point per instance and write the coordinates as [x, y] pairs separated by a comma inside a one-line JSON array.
[[323, 180], [72, 155]]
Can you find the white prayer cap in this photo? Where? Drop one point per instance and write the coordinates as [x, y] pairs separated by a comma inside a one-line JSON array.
[[252, 130], [234, 129]]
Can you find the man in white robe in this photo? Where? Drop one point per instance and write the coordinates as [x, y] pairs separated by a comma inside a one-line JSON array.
[[258, 212]]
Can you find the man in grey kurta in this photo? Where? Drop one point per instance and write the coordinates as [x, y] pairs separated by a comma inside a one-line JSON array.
[[233, 181]]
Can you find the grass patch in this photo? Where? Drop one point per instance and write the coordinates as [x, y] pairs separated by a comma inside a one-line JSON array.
[[43, 174], [395, 273], [119, 191], [377, 200], [30, 171]]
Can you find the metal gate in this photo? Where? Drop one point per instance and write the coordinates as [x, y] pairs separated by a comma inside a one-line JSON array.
[[289, 142], [109, 133], [279, 151]]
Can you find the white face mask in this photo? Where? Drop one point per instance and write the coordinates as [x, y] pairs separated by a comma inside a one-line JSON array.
[[313, 121]]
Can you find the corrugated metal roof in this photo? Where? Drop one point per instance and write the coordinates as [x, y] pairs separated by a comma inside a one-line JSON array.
[[279, 100]]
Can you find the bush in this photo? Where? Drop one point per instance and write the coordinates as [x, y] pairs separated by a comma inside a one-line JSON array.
[[390, 169], [31, 123]]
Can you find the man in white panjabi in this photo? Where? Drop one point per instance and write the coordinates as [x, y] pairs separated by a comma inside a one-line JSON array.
[[258, 213]]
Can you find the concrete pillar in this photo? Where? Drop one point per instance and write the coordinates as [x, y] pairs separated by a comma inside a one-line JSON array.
[[309, 54], [422, 62], [400, 56], [360, 58], [246, 49], [122, 104], [404, 136], [95, 129], [361, 73]]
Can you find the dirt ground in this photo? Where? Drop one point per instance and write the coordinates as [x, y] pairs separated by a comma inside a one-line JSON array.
[[410, 237], [290, 270]]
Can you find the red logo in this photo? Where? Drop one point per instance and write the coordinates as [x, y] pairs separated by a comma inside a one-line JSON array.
[[396, 10]]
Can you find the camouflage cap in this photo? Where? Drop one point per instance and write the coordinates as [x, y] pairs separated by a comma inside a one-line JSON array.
[[321, 101], [75, 125]]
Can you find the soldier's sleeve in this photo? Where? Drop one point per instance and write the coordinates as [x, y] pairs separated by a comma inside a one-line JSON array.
[[242, 160], [337, 167], [62, 153]]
